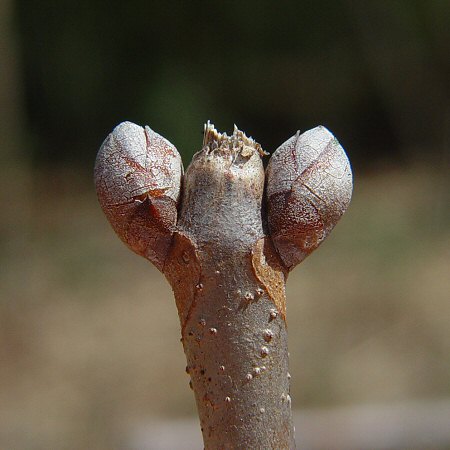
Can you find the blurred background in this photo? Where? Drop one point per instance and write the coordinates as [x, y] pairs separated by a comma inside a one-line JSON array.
[[90, 356]]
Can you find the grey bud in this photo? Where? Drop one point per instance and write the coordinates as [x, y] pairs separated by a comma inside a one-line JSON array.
[[138, 176], [309, 187]]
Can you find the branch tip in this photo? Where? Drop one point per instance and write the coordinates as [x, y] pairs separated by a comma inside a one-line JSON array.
[[237, 142]]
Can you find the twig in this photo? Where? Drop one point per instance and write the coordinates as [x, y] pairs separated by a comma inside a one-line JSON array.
[[226, 261]]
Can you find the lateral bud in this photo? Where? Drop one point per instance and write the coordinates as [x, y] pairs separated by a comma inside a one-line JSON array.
[[138, 177], [309, 187]]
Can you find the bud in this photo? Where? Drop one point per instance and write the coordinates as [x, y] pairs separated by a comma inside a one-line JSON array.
[[137, 177], [309, 187]]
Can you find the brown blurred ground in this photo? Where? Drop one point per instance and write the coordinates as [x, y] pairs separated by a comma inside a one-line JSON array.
[[89, 334]]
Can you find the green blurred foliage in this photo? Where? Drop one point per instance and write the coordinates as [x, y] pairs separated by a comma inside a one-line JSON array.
[[376, 73]]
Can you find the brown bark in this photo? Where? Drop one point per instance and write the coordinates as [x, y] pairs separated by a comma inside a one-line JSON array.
[[227, 273], [233, 323]]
